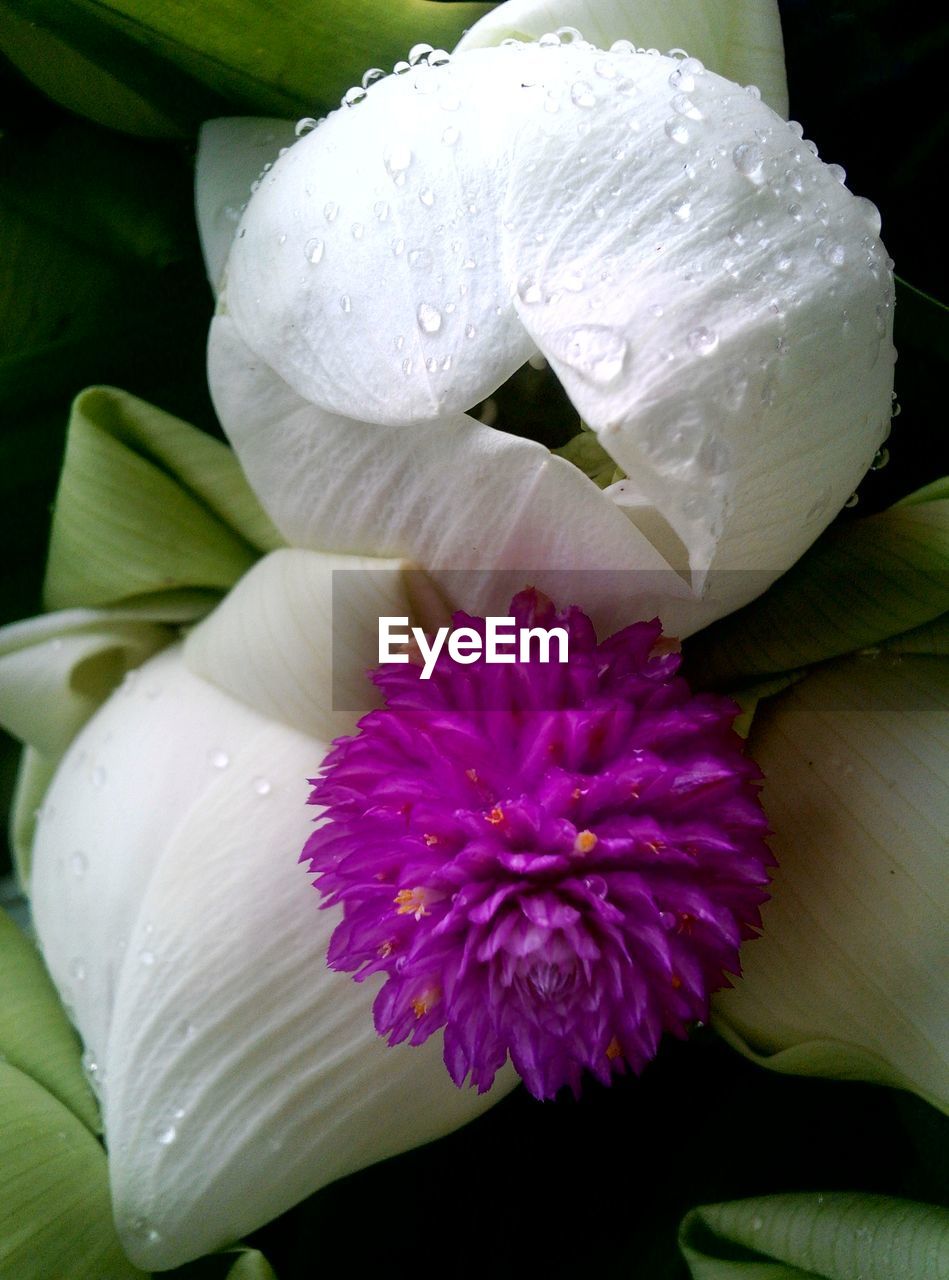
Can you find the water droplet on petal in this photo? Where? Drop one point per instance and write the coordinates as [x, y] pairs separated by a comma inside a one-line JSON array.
[[147, 958], [838, 172], [450, 136], [871, 214], [597, 352], [397, 159], [352, 97], [420, 259], [419, 53], [622, 46], [795, 211], [677, 131], [852, 501], [748, 159], [528, 290], [400, 68], [429, 318], [304, 126], [165, 1134], [439, 58], [77, 969], [549, 40], [681, 209], [605, 68], [880, 459], [702, 340], [427, 197], [372, 75], [262, 786], [357, 230], [782, 346], [582, 95], [684, 105], [330, 210], [346, 303], [219, 759], [835, 254], [79, 864]]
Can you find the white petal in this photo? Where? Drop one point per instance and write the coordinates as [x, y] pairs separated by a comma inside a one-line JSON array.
[[715, 302], [240, 1074], [296, 636], [366, 267], [231, 155], [460, 496], [848, 977], [740, 39]]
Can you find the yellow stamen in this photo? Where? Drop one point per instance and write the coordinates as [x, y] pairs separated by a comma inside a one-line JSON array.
[[413, 902], [426, 1001], [613, 1049], [386, 949], [471, 775], [430, 839], [495, 816], [585, 842]]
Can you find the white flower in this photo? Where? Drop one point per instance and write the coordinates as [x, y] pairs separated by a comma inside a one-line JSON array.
[[717, 306], [714, 300], [237, 1073]]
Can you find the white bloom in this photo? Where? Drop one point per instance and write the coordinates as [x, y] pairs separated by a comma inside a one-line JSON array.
[[713, 299], [237, 1072]]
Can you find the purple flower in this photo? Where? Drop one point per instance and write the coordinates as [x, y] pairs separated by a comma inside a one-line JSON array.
[[552, 862]]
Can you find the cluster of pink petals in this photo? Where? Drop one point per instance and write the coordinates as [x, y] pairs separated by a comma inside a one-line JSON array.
[[552, 862]]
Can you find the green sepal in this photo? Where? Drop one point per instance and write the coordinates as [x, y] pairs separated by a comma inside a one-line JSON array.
[[147, 504], [860, 585], [814, 1236], [35, 1035]]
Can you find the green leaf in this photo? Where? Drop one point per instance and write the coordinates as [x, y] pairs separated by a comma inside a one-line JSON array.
[[860, 585], [832, 1236], [55, 1212], [189, 62], [35, 1035], [146, 504], [585, 451], [251, 1265]]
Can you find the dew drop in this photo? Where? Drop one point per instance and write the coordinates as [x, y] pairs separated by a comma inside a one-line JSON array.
[[470, 331], [870, 213], [605, 68], [880, 459], [429, 318], [99, 776], [677, 131], [529, 291], [218, 759], [357, 230], [684, 105], [852, 501], [304, 126], [419, 53], [622, 46], [427, 197], [165, 1134], [77, 969], [837, 172], [450, 136], [681, 209], [835, 254], [406, 367], [702, 340], [397, 159], [597, 352], [79, 864], [352, 97], [795, 212], [330, 210], [439, 58], [782, 346], [400, 68], [372, 75], [581, 94], [398, 246], [549, 40], [262, 786], [420, 259], [147, 958], [346, 303], [748, 159]]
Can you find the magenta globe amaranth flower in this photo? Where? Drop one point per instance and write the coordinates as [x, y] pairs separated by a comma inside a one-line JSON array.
[[552, 862]]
